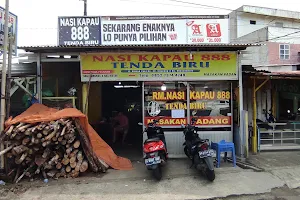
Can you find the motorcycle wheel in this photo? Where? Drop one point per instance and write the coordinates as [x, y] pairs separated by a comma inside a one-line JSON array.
[[210, 174], [187, 152], [157, 173]]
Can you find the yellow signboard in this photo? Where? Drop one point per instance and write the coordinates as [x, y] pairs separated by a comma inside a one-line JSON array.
[[159, 66]]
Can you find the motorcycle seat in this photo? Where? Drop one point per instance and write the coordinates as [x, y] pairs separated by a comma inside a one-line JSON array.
[[156, 139], [198, 142]]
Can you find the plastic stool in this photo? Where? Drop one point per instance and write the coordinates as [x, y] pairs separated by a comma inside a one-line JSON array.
[[224, 146]]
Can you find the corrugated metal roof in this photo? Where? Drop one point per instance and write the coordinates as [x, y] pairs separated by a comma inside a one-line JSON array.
[[236, 46], [144, 45], [22, 69], [248, 70], [290, 73]]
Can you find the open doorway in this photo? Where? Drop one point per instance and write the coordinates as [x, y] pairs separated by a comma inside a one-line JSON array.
[[125, 97]]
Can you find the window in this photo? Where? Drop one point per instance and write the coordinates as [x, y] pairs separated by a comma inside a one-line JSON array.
[[214, 98], [284, 51], [252, 22], [167, 102], [279, 24]]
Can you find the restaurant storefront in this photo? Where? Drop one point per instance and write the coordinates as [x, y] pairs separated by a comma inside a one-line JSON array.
[[170, 68], [173, 88], [170, 84]]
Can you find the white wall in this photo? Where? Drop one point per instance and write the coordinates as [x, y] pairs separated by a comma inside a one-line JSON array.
[[284, 35], [263, 101], [255, 55], [240, 23], [270, 12], [277, 68], [232, 25]]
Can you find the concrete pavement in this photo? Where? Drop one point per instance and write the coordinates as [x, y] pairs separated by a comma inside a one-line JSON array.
[[179, 182], [283, 193], [284, 164], [275, 159]]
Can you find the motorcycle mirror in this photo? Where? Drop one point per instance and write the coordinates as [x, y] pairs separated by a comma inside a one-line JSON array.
[[140, 123], [194, 112]]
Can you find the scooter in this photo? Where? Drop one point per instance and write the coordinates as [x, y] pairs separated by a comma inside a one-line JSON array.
[[155, 149], [269, 116], [198, 151]]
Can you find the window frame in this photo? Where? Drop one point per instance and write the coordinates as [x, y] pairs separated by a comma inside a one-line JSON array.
[[286, 47], [150, 87]]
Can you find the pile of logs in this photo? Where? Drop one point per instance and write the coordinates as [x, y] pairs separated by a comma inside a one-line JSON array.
[[54, 149]]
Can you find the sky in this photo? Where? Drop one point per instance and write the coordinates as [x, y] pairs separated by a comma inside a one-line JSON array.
[[37, 19]]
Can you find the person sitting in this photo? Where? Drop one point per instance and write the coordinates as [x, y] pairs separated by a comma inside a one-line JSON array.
[[121, 127]]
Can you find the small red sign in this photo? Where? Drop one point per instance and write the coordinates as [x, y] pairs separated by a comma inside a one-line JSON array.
[[173, 36], [196, 28], [201, 121], [213, 30]]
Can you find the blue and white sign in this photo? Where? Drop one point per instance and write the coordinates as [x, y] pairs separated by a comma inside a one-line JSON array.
[[79, 31], [12, 29]]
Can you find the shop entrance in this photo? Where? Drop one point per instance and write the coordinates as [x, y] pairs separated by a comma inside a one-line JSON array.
[[124, 97]]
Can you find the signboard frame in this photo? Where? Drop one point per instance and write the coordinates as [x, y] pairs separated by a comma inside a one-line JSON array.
[[197, 29], [84, 42], [104, 72], [15, 36], [152, 30]]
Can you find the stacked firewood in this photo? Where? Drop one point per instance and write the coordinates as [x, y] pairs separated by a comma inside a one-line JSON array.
[[54, 149]]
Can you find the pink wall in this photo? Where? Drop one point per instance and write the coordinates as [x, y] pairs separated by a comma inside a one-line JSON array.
[[273, 53]]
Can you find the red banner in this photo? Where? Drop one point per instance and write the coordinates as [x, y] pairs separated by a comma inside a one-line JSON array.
[[201, 121]]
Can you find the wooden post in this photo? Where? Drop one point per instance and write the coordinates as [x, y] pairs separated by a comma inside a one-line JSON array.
[[87, 96], [254, 137], [84, 95]]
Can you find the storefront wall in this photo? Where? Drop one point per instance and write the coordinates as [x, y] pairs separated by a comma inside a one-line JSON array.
[[210, 104], [279, 97], [174, 85]]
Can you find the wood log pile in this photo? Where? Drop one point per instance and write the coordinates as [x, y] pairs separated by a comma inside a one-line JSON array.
[[53, 149]]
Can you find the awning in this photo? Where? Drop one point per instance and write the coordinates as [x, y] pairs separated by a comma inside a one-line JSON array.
[[250, 71], [171, 47]]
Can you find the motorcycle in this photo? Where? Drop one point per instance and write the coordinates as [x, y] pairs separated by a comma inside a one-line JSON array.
[[155, 149], [269, 116], [198, 151]]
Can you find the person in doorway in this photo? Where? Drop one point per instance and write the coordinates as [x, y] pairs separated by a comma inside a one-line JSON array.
[[121, 127]]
